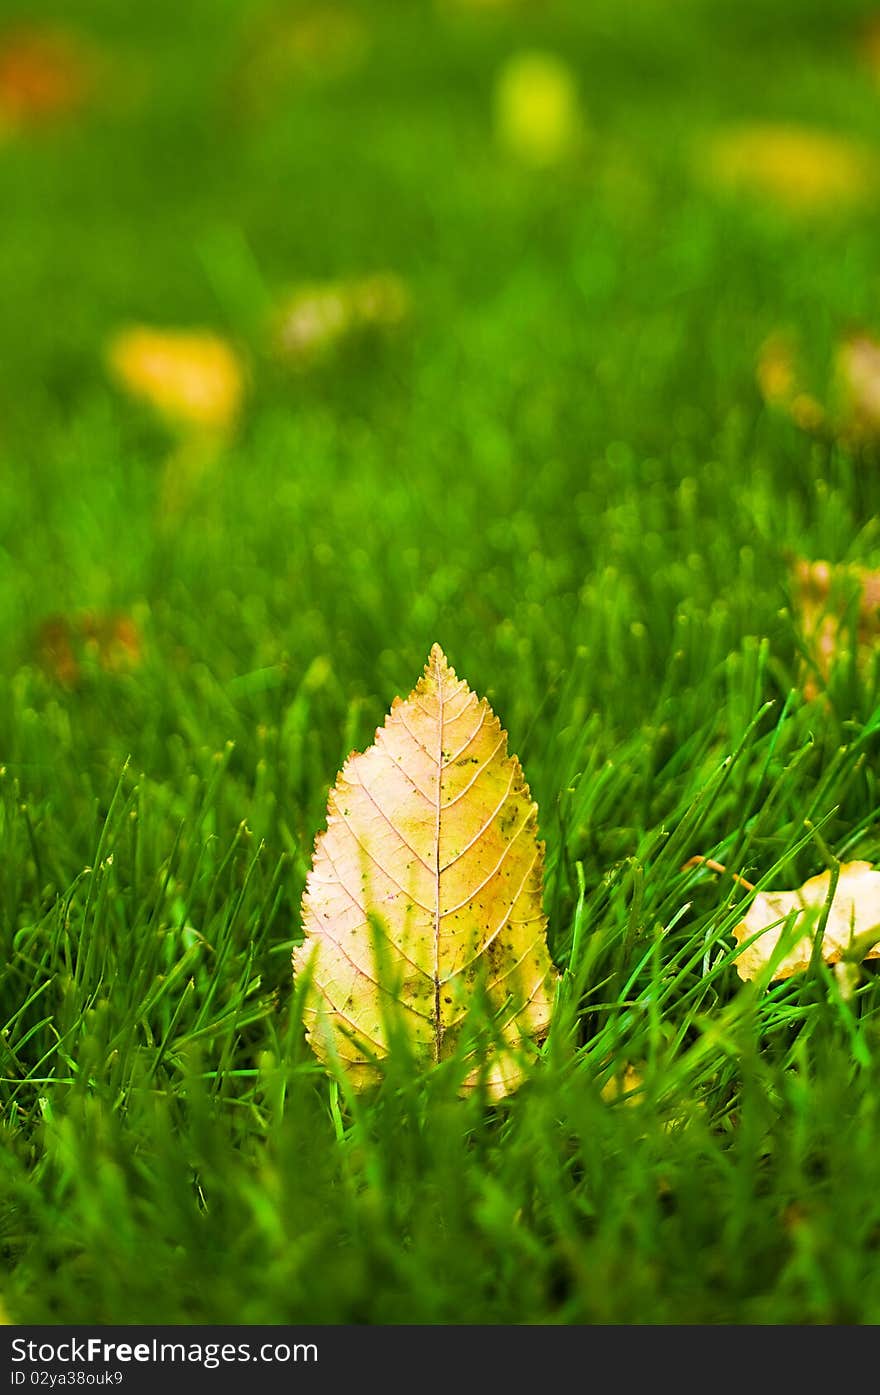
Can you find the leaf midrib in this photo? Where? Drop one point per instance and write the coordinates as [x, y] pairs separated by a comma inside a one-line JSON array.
[[438, 1028]]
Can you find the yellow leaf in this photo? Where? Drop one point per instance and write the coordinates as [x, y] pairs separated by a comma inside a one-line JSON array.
[[823, 596], [192, 378], [626, 1084], [426, 889], [852, 413], [779, 380], [800, 168], [854, 914], [537, 111], [858, 385]]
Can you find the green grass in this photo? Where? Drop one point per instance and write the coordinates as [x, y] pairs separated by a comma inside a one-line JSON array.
[[563, 473]]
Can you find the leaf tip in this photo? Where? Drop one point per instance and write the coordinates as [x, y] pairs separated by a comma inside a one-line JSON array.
[[437, 659]]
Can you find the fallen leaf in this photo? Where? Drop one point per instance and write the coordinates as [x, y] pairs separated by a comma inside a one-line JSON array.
[[46, 74], [193, 379], [852, 919], [316, 319], [65, 645], [851, 413], [537, 110], [858, 387], [55, 651], [425, 889], [115, 641], [780, 383], [775, 370], [627, 1084], [801, 169], [822, 597]]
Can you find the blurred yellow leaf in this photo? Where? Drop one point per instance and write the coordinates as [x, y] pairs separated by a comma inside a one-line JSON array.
[[799, 168], [822, 595], [627, 1084], [853, 918], [193, 379], [315, 319], [858, 386], [426, 889], [779, 382], [537, 111], [852, 410], [776, 371]]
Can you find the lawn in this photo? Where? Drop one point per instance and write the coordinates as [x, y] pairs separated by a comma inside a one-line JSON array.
[[560, 466]]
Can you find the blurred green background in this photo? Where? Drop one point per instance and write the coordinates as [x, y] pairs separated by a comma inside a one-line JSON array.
[[551, 455], [575, 386]]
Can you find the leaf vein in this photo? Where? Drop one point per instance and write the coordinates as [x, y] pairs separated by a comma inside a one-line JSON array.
[[368, 792], [331, 939], [477, 836], [391, 756], [456, 1022], [497, 931], [473, 736], [353, 1025], [409, 731], [385, 873], [477, 773], [351, 896], [496, 869]]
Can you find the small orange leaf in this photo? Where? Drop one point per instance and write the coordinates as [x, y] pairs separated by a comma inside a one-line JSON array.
[[45, 74], [56, 651], [114, 640], [64, 645], [853, 917], [426, 889], [192, 378], [799, 168]]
